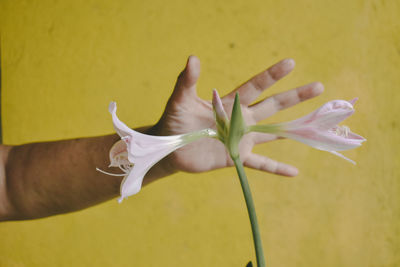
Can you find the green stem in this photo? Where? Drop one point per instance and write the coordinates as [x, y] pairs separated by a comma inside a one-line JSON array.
[[266, 128], [193, 136], [251, 210]]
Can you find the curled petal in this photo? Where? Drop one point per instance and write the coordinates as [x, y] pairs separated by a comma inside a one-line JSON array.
[[326, 117], [119, 126], [324, 140]]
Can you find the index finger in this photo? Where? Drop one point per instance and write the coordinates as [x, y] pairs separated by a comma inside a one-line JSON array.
[[250, 90]]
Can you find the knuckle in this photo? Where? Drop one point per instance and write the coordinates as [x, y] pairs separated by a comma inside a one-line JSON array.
[[258, 83]]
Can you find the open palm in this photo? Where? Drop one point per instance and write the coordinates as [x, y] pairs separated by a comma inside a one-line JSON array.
[[186, 112]]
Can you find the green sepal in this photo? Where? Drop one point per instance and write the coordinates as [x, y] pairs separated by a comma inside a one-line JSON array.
[[236, 130]]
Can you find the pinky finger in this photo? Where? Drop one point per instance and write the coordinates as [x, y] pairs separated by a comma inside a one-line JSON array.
[[262, 163]]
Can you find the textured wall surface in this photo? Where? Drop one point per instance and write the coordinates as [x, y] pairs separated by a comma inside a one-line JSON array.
[[63, 61]]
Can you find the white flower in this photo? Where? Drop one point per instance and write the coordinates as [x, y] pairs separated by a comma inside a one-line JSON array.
[[139, 152], [320, 128]]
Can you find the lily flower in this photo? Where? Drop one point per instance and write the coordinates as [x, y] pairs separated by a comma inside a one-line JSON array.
[[136, 153], [320, 128]]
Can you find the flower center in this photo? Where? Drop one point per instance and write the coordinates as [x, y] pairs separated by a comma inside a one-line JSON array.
[[342, 131]]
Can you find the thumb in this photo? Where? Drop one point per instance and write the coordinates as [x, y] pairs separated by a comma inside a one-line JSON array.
[[186, 83]]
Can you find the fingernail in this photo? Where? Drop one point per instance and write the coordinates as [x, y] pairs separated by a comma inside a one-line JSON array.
[[289, 62], [318, 88], [292, 171], [189, 60]]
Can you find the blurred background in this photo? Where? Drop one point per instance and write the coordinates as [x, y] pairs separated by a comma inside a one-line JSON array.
[[62, 62]]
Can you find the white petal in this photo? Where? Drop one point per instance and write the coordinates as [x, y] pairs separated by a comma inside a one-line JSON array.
[[119, 126], [325, 117], [343, 157], [144, 158], [353, 101], [218, 107], [132, 183]]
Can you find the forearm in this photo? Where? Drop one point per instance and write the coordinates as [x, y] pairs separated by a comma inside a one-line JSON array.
[[44, 179]]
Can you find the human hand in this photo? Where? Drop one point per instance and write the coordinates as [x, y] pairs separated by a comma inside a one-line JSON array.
[[186, 112]]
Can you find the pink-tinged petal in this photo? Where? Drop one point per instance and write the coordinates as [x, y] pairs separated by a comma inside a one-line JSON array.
[[145, 153], [218, 107], [353, 100], [131, 184], [335, 105], [142, 145], [321, 139], [325, 117], [355, 136], [119, 126]]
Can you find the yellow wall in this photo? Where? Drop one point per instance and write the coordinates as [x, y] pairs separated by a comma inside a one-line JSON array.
[[63, 61]]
